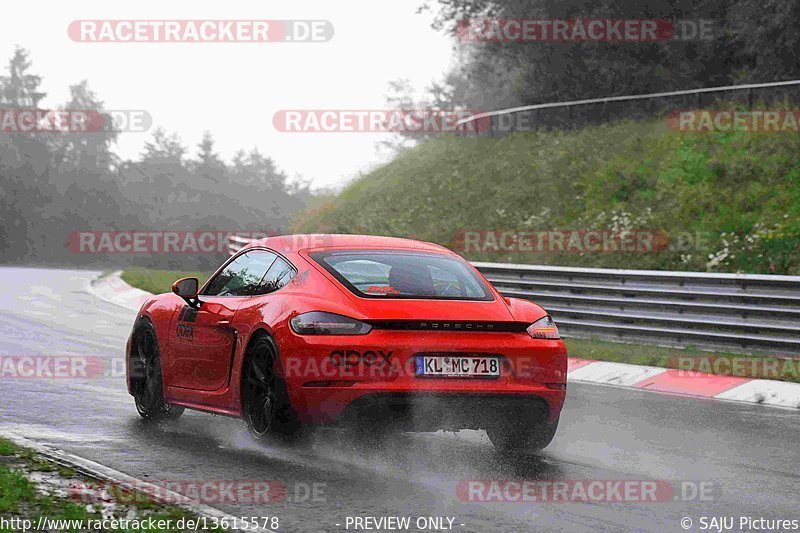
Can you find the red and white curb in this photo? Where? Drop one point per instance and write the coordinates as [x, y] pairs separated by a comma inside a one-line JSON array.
[[103, 473], [113, 289], [730, 388]]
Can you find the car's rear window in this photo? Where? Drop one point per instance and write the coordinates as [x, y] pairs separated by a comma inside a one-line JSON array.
[[399, 274]]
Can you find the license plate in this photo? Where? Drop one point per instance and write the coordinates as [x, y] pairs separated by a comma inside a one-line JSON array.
[[458, 366]]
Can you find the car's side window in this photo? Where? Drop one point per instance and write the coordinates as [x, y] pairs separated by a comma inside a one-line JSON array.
[[277, 276], [243, 275]]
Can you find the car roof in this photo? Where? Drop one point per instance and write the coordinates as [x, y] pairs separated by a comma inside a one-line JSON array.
[[297, 242]]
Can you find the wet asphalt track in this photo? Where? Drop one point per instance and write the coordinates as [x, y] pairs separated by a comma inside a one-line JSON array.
[[750, 453]]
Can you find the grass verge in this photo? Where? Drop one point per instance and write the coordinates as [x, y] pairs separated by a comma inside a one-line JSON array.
[[726, 201], [158, 281], [31, 486]]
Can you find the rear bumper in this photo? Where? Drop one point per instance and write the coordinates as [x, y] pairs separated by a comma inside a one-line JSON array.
[[430, 411], [325, 390]]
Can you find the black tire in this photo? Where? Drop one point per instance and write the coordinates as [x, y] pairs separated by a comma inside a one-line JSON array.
[[514, 439], [265, 404], [148, 386]]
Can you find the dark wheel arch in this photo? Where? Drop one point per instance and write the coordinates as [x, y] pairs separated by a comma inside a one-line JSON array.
[[147, 374], [254, 338], [286, 423]]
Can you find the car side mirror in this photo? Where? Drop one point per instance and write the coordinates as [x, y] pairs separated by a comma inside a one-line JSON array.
[[187, 288]]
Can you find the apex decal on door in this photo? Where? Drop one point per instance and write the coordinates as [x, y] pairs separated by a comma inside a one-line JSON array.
[[185, 329]]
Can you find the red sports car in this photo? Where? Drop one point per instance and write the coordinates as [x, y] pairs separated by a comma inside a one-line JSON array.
[[307, 330]]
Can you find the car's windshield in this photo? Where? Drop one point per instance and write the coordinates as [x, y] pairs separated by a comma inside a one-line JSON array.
[[399, 274]]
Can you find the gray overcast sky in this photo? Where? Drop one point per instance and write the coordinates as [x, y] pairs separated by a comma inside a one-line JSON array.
[[234, 89]]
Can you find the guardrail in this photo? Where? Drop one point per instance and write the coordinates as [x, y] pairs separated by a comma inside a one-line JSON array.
[[529, 117], [738, 312], [735, 312]]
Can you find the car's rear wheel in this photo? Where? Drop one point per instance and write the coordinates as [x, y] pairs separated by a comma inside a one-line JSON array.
[[148, 386], [264, 400], [516, 438]]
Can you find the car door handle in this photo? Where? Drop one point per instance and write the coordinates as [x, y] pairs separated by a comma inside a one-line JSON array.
[[224, 323]]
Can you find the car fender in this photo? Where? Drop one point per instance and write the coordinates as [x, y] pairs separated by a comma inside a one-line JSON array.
[[158, 310], [525, 310]]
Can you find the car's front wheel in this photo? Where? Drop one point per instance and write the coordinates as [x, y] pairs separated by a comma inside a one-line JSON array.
[[148, 387], [264, 402]]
